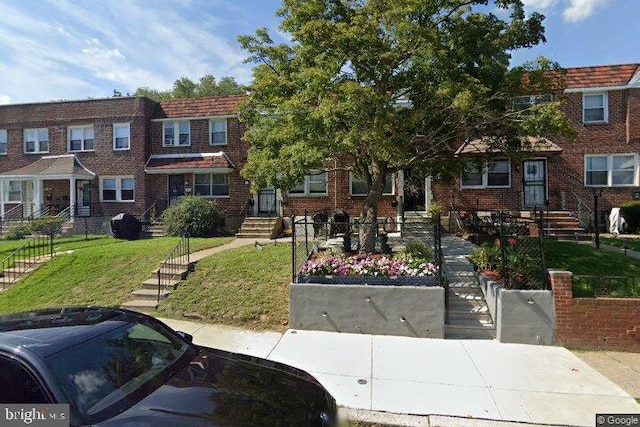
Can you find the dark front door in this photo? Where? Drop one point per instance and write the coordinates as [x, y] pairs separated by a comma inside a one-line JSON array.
[[176, 187], [414, 191], [534, 178]]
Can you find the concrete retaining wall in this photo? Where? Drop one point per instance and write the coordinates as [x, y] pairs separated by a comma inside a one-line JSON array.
[[520, 316], [414, 311]]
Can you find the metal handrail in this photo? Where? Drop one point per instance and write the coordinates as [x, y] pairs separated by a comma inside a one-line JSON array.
[[173, 264], [20, 261], [66, 212], [143, 217], [579, 213], [20, 206]]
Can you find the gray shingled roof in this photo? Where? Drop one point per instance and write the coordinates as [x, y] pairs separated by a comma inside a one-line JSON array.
[[51, 167]]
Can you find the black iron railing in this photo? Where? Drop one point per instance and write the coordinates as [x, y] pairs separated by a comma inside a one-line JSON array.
[[25, 257], [593, 286], [173, 265]]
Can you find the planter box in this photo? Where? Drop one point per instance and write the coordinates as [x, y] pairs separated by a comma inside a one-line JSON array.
[[414, 311], [371, 280]]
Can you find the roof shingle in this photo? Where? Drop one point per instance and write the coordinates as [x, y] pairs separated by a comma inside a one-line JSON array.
[[199, 107], [600, 76]]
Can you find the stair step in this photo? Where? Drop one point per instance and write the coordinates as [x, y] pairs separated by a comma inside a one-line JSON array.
[[150, 294], [140, 305], [152, 283], [467, 332]]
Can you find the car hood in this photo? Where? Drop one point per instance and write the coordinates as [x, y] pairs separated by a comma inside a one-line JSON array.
[[219, 388]]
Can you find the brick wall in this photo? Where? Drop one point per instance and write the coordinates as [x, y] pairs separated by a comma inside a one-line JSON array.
[[594, 323], [565, 172]]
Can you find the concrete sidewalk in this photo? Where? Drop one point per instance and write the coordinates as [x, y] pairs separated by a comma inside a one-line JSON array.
[[440, 382]]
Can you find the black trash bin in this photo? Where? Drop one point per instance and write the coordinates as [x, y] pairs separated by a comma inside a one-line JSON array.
[[126, 226], [340, 223], [319, 221]]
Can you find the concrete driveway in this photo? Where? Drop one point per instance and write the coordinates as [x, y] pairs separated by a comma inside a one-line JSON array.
[[439, 382]]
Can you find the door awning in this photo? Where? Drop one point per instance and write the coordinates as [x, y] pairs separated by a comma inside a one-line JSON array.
[[189, 163], [530, 144], [51, 167]]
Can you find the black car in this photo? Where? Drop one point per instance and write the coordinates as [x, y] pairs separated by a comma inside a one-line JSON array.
[[120, 368]]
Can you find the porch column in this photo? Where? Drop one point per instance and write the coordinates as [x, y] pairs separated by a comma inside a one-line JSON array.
[[72, 199], [2, 184], [37, 195]]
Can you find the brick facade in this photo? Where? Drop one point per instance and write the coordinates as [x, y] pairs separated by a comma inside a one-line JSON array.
[[566, 171], [594, 323]]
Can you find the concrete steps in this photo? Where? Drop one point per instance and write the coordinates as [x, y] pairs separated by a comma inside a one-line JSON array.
[[146, 299], [9, 276], [562, 225], [260, 228], [156, 229]]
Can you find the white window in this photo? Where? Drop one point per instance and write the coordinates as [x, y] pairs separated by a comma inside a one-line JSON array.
[[36, 140], [121, 136], [595, 108], [527, 101], [211, 185], [13, 191], [80, 138], [3, 141], [495, 175], [176, 133], [218, 131], [117, 189], [359, 187], [314, 184], [611, 170]]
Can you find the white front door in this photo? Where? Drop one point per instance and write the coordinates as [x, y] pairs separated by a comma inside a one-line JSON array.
[[83, 198], [29, 198]]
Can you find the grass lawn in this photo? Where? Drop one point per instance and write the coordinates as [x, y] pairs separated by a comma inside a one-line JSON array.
[[585, 259], [240, 287], [632, 244], [97, 271]]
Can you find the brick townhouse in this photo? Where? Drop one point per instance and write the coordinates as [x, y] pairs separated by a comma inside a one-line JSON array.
[[603, 105], [129, 154], [100, 157]]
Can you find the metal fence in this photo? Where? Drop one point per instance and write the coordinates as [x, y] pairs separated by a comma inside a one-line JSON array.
[[586, 286], [313, 233], [511, 245]]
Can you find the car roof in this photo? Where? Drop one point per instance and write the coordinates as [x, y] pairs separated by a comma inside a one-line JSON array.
[[45, 332]]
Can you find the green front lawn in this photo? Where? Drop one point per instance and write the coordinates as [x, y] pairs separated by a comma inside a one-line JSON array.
[[242, 287], [632, 244], [585, 259], [97, 271]]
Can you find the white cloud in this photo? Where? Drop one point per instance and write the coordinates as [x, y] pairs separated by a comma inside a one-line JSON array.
[[5, 99], [539, 4], [579, 10]]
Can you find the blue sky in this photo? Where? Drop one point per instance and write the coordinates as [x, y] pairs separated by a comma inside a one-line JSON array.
[[78, 49]]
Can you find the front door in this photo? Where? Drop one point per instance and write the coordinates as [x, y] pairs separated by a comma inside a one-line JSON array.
[[267, 202], [415, 193], [534, 178], [83, 198], [176, 187]]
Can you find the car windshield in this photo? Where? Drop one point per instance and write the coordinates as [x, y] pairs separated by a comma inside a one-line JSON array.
[[113, 371]]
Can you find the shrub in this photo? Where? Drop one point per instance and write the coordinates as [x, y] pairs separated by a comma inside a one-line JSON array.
[[15, 234], [48, 225], [193, 216], [486, 257], [631, 213], [415, 249]]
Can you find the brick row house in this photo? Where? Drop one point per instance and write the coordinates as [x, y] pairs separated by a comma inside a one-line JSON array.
[[603, 106], [129, 154]]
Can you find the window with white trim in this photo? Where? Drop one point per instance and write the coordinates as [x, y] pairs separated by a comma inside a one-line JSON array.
[[611, 170], [218, 131], [595, 108], [524, 102], [121, 136], [36, 140], [3, 141], [13, 191], [80, 138], [176, 134], [211, 185], [314, 184], [359, 187], [117, 189], [495, 175]]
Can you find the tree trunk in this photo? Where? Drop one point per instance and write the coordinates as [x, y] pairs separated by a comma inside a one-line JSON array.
[[369, 221]]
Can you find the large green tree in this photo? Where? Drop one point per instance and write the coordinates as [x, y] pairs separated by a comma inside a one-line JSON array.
[[386, 85], [184, 87]]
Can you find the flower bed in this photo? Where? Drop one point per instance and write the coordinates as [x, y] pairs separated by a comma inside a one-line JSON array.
[[368, 269]]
